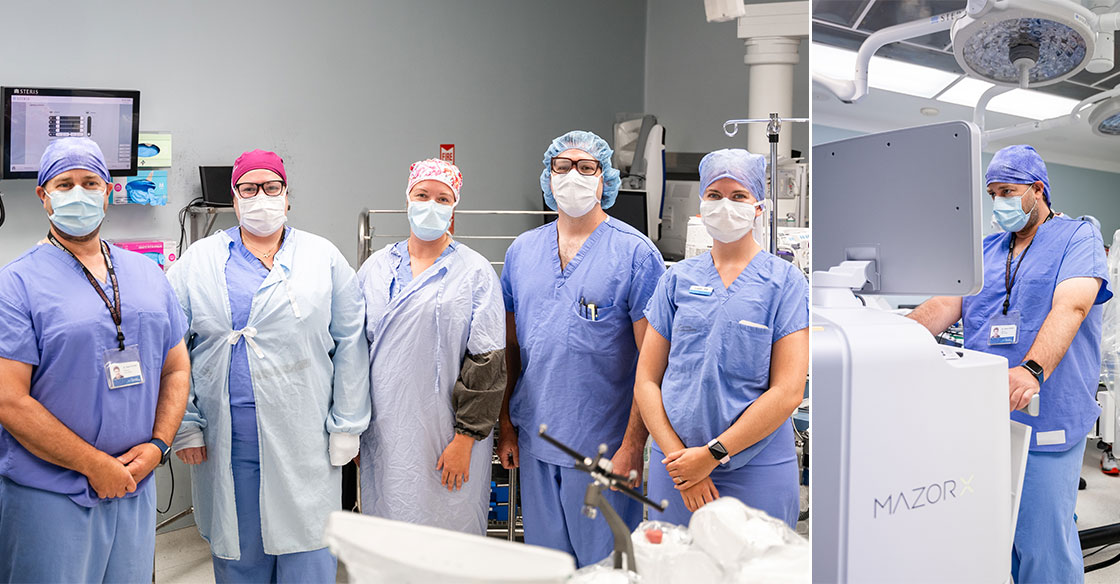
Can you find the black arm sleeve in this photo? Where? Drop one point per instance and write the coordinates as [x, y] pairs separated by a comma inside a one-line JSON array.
[[478, 393]]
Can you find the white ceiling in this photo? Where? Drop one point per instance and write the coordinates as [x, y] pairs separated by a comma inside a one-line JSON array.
[[881, 110]]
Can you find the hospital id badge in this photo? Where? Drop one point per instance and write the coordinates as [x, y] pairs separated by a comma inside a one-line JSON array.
[[1003, 329], [122, 368]]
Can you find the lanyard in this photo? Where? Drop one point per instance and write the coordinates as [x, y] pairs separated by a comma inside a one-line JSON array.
[[1008, 275], [114, 306]]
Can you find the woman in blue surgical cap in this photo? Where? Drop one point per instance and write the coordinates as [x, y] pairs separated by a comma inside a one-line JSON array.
[[724, 361], [436, 329]]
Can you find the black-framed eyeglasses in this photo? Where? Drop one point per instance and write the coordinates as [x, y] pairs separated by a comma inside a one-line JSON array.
[[585, 167], [272, 188]]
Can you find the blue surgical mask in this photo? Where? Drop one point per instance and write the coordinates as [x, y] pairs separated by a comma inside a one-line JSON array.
[[77, 211], [1009, 212], [429, 220]]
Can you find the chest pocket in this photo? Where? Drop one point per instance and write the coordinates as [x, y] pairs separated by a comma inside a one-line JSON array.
[[745, 353], [691, 332], [600, 336]]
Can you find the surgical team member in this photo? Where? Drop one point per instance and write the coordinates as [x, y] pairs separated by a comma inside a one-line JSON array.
[[280, 384], [436, 330], [77, 447], [1044, 282], [724, 362], [574, 293]]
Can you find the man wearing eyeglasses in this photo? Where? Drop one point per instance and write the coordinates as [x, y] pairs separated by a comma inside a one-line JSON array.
[[575, 291], [1045, 280], [93, 383]]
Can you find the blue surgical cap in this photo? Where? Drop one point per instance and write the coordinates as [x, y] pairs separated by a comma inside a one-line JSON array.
[[1019, 165], [67, 154], [743, 167], [591, 144]]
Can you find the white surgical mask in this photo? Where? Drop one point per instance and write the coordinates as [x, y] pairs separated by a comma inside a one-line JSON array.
[[77, 211], [574, 192], [727, 220], [429, 220], [262, 215]]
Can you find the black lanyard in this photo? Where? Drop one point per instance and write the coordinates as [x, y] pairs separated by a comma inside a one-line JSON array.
[[1008, 275], [114, 306]]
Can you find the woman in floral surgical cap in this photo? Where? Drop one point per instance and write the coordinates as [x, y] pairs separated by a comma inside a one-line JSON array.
[[436, 327]]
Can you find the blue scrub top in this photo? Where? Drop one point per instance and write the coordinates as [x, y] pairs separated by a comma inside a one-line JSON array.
[[577, 375], [244, 276], [51, 319], [1062, 248], [720, 340]]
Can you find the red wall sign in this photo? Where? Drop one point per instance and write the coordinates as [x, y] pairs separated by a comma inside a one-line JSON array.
[[447, 153]]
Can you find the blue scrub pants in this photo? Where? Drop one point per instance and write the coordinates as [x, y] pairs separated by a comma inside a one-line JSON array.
[[317, 566], [1047, 548], [552, 503], [772, 488], [46, 537]]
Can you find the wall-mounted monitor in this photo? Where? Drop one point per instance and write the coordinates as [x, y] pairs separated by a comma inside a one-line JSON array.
[[35, 116]]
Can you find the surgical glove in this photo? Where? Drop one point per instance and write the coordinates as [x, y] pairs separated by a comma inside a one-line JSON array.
[[343, 447]]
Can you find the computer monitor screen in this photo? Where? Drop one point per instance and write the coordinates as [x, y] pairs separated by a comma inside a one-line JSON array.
[[630, 208], [216, 189], [911, 199], [36, 116]]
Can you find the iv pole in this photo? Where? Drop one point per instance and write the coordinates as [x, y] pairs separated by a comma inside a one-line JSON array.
[[773, 128]]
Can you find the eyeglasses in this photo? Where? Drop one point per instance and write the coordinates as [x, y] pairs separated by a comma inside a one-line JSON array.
[[585, 167], [272, 188]]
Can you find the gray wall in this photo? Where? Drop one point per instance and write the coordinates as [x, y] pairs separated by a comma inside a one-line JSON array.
[[348, 92], [1073, 191], [696, 79]]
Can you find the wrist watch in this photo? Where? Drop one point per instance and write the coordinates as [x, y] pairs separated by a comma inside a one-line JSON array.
[[1034, 368], [718, 451], [164, 449]]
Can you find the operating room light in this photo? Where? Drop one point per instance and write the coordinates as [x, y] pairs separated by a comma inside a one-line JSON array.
[[1051, 42], [1105, 119]]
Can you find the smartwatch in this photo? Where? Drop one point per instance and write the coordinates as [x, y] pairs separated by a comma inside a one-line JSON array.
[[1034, 368], [164, 449], [718, 451]]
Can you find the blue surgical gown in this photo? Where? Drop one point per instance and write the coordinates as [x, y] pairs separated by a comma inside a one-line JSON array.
[[420, 331], [52, 319], [1062, 248], [720, 343], [577, 374], [310, 378]]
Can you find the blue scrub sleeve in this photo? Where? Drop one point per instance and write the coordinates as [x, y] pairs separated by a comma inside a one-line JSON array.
[[643, 281], [792, 311], [660, 309], [1084, 258], [17, 333], [193, 422], [350, 406], [507, 279]]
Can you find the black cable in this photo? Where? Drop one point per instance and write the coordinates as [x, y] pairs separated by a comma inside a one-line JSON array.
[[183, 222], [1098, 550], [1099, 565], [3, 215], [172, 495]]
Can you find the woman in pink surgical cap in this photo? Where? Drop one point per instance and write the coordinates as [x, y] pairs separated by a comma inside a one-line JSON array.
[[279, 384], [436, 329]]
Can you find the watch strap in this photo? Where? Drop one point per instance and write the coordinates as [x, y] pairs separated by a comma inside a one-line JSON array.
[[718, 451], [164, 449]]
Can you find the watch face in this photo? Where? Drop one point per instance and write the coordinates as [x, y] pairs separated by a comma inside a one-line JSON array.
[[718, 451]]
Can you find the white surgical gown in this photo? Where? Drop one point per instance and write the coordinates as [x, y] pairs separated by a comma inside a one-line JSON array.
[[419, 339], [307, 357]]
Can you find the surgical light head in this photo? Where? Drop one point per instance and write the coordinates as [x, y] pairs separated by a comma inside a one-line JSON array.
[[1105, 119], [591, 144], [1031, 42]]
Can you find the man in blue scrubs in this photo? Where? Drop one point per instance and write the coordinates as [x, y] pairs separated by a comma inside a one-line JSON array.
[[1045, 280], [93, 383], [574, 292]]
